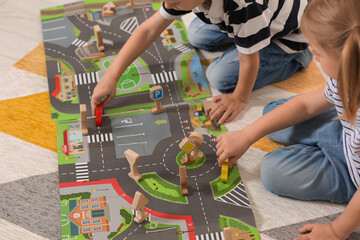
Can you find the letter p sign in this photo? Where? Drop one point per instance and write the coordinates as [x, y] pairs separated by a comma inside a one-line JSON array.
[[156, 93]]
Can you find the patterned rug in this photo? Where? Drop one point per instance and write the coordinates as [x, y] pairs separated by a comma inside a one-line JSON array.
[[29, 193]]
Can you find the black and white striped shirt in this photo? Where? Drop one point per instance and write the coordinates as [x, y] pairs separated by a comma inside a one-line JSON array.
[[351, 134], [253, 23]]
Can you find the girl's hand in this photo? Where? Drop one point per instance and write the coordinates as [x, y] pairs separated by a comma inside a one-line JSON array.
[[317, 231], [104, 92], [231, 145], [227, 107]]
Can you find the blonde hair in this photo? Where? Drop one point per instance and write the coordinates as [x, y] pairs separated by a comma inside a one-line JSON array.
[[335, 26]]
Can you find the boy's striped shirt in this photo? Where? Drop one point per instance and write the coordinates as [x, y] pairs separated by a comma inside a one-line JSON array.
[[253, 23], [351, 134]]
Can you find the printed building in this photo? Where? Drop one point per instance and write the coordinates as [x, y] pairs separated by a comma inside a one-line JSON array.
[[65, 88], [89, 216]]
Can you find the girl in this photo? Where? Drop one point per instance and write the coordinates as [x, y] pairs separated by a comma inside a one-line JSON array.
[[322, 161], [266, 45]]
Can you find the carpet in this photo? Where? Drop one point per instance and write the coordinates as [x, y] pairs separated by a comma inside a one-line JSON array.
[[29, 194]]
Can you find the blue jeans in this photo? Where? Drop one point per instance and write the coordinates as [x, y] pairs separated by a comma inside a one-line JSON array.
[[313, 166], [223, 72]]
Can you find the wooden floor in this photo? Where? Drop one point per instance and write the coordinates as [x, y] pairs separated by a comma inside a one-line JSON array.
[[25, 121]]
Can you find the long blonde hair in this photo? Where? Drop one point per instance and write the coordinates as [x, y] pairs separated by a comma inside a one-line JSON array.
[[335, 25]]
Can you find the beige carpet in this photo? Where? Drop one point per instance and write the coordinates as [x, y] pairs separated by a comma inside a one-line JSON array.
[[28, 179]]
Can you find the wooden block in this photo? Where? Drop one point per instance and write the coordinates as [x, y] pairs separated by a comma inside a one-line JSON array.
[[107, 13], [83, 117], [138, 204], [132, 157], [183, 180], [224, 171], [98, 37]]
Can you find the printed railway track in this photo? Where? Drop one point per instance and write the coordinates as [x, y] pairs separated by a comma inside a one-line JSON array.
[[81, 7]]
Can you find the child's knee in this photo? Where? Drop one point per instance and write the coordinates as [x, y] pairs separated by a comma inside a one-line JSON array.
[[196, 35], [213, 75], [267, 170]]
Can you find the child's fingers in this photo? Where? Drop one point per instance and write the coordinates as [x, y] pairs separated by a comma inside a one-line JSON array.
[[220, 152], [232, 161], [306, 228], [231, 117], [224, 117], [216, 98], [219, 144], [94, 103], [107, 100], [218, 111]]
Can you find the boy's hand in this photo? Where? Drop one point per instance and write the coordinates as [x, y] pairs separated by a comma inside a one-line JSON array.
[[231, 145], [227, 107], [317, 231], [104, 92]]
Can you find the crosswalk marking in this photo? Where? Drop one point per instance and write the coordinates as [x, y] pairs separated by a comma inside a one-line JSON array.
[[129, 25], [182, 48], [97, 76], [80, 79], [79, 43], [86, 78], [236, 197], [102, 137], [210, 236], [153, 78], [164, 77], [81, 171]]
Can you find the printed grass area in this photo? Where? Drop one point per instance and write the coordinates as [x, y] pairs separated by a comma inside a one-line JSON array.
[[219, 188], [126, 221], [156, 5], [59, 116], [225, 222], [188, 81], [76, 31], [158, 187], [196, 164], [53, 17], [154, 225], [63, 63], [128, 108]]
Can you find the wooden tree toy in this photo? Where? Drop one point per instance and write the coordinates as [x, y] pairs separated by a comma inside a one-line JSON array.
[[198, 139], [237, 234], [156, 94], [183, 180], [138, 205], [187, 146], [83, 116], [108, 10], [98, 38], [224, 171], [133, 158], [131, 4]]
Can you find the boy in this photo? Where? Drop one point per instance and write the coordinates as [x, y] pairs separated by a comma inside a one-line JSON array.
[[268, 46]]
